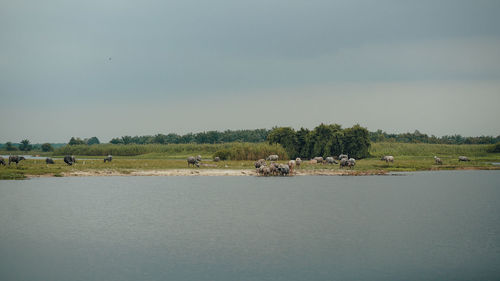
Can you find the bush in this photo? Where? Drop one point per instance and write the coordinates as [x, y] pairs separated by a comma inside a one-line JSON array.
[[10, 147], [223, 154], [46, 147], [495, 148]]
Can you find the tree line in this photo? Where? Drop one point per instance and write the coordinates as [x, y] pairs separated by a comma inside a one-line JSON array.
[[253, 136], [324, 140], [418, 137]]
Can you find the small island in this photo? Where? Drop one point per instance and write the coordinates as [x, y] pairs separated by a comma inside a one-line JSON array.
[[375, 153]]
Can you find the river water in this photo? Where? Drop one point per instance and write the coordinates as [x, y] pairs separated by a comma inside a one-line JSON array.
[[422, 226]]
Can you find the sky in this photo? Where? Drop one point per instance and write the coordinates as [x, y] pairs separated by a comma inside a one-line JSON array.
[[110, 68]]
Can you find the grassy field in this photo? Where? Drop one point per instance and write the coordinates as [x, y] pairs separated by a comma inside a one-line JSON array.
[[408, 157], [424, 149]]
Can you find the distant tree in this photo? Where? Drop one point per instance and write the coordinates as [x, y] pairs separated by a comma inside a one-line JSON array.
[[357, 141], [93, 140], [116, 141], [46, 147], [76, 141], [127, 139], [10, 147], [287, 138], [25, 145]]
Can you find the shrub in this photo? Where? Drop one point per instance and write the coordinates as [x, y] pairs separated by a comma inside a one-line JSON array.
[[46, 147], [223, 154], [495, 148]]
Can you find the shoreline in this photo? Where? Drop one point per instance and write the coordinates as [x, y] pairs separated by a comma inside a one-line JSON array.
[[233, 172]]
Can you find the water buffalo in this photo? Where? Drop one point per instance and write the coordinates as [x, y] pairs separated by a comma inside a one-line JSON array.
[[216, 159], [198, 158], [2, 162], [351, 162], [16, 159], [298, 161], [273, 168], [330, 160], [68, 159], [108, 158], [319, 159], [343, 156], [344, 162], [49, 161], [388, 159], [463, 158], [283, 169], [437, 160], [273, 157], [192, 161], [259, 163], [264, 170], [292, 164]]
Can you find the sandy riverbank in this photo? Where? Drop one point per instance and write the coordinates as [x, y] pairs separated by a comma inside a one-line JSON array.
[[209, 172]]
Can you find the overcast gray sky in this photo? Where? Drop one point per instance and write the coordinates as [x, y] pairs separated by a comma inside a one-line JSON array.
[[109, 68]]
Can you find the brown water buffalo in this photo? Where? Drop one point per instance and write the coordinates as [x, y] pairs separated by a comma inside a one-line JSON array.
[[388, 159], [192, 161], [463, 158], [16, 159], [437, 160], [68, 159]]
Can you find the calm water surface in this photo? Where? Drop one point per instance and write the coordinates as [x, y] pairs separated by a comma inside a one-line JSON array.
[[423, 226]]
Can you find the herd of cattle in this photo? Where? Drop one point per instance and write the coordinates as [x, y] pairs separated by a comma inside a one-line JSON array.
[[276, 169], [261, 165], [68, 159]]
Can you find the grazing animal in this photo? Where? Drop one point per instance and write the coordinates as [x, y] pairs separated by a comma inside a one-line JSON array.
[[298, 161], [388, 159], [272, 157], [437, 160], [198, 158], [68, 159], [463, 158], [330, 160], [49, 161], [216, 159], [16, 159], [283, 169], [343, 156], [319, 159], [292, 164], [192, 161], [313, 161], [259, 163], [2, 162], [273, 168], [344, 162], [264, 170], [108, 158], [351, 162]]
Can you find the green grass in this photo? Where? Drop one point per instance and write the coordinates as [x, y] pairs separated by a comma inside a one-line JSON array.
[[424, 149], [242, 151], [408, 157]]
